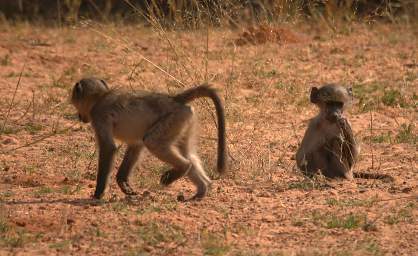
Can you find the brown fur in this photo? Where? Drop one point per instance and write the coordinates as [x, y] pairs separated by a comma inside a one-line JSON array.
[[162, 123], [328, 145]]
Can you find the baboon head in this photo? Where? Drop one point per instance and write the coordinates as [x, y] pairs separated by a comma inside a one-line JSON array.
[[85, 94], [332, 99]]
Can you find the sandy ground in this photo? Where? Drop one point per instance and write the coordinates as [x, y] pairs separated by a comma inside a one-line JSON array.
[[262, 206]]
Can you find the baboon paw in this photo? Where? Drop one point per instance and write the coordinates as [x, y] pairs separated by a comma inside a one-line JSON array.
[[198, 197], [169, 177], [130, 192], [200, 194], [96, 200], [97, 196], [126, 189]]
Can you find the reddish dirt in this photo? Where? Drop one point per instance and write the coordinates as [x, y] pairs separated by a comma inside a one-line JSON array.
[[262, 206]]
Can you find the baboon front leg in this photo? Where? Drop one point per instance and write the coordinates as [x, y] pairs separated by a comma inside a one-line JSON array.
[[337, 164], [122, 177], [107, 151], [161, 140], [350, 148]]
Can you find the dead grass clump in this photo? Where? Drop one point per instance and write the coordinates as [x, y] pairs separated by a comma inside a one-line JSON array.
[[267, 33]]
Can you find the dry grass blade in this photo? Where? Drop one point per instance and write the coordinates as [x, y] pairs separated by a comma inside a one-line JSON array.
[[126, 45], [42, 138], [13, 99]]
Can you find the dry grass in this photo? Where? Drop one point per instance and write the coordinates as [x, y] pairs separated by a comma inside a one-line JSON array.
[[262, 206]]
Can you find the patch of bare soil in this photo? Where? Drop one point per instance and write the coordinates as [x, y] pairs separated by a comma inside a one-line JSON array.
[[262, 206]]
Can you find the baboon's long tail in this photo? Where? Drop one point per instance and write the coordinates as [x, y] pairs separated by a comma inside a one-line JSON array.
[[206, 90], [377, 176]]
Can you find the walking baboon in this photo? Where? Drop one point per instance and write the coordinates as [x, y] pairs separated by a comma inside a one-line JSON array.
[[164, 124], [329, 145]]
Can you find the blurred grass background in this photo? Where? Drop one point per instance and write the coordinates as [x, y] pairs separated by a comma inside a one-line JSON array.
[[195, 13]]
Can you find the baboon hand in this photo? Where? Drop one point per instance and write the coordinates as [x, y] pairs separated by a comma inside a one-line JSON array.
[[345, 128], [341, 121]]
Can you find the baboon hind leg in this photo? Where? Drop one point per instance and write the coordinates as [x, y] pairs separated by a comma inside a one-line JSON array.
[[131, 157], [197, 174], [307, 163], [161, 140], [199, 177]]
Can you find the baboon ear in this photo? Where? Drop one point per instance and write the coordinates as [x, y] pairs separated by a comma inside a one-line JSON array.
[[314, 95], [104, 83]]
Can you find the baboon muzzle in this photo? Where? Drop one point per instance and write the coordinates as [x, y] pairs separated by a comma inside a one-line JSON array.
[[334, 115]]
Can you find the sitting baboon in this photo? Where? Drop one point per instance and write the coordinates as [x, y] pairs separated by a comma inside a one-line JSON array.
[[328, 145]]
